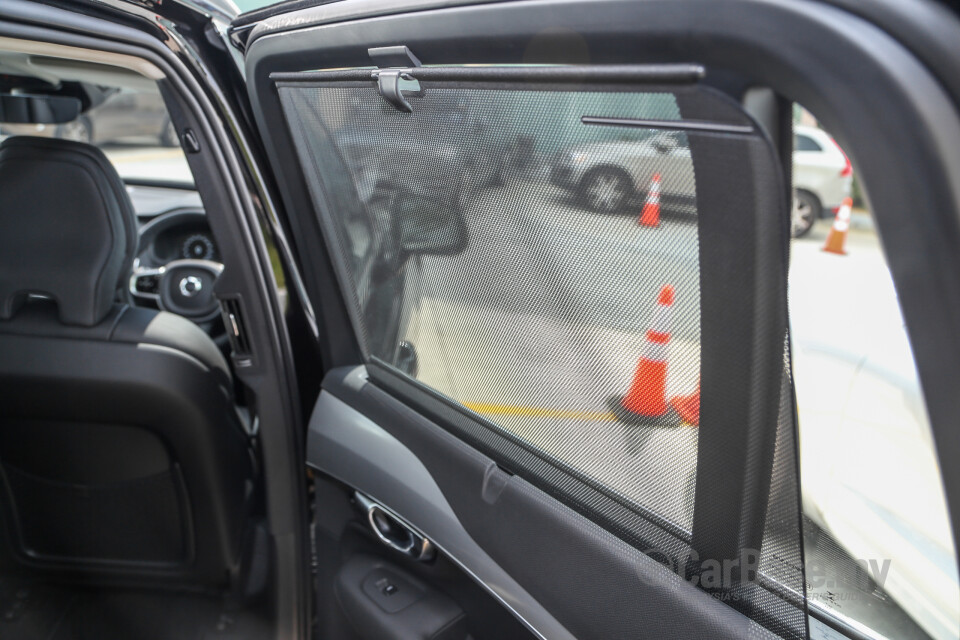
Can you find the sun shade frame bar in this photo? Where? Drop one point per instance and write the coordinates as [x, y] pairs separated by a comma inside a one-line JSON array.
[[671, 74], [743, 306], [673, 125]]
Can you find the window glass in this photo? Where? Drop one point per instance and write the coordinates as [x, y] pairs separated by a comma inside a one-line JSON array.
[[879, 551], [250, 5], [132, 128], [805, 143]]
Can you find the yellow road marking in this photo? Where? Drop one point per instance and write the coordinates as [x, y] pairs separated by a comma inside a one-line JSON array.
[[485, 408]]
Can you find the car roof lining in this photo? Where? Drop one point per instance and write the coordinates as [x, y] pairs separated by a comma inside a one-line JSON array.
[[55, 63]]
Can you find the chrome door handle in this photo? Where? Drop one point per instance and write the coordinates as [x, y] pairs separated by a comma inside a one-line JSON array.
[[394, 532]]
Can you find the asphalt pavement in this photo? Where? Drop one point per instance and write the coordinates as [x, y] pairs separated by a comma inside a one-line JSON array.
[[539, 323]]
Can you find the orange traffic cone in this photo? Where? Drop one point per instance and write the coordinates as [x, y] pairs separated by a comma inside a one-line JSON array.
[[645, 401], [688, 407], [650, 216], [838, 232]]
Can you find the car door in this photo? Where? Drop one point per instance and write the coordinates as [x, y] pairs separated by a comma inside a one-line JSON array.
[[541, 421]]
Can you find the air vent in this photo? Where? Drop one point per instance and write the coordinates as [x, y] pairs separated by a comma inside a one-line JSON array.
[[233, 320]]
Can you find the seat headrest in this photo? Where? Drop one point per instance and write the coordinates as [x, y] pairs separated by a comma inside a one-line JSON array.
[[67, 228]]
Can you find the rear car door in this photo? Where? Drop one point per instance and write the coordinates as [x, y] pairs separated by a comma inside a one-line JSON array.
[[543, 420]]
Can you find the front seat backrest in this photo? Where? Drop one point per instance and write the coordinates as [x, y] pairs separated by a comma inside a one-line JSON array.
[[68, 228], [122, 456]]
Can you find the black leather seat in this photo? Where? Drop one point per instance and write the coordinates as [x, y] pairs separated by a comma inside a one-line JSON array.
[[122, 455]]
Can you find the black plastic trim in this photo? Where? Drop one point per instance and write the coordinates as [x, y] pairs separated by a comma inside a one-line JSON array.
[[250, 18], [648, 74]]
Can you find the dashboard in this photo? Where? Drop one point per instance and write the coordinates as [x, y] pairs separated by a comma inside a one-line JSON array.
[[177, 235]]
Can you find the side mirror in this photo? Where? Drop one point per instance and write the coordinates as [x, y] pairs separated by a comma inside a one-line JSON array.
[[662, 146], [38, 109], [429, 226]]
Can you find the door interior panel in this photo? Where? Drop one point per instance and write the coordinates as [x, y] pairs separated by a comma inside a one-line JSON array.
[[502, 530], [349, 446], [736, 198], [447, 603]]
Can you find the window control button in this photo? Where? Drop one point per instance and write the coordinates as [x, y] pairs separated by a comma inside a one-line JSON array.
[[391, 590]]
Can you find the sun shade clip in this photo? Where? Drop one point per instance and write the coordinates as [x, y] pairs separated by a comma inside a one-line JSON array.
[[388, 83], [395, 63]]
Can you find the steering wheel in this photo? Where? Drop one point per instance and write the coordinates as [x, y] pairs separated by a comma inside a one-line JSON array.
[[183, 287]]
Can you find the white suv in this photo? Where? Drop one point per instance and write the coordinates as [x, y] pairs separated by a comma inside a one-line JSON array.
[[822, 176], [605, 176]]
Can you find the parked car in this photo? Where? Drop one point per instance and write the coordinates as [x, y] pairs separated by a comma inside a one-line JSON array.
[[449, 167], [822, 177], [605, 176], [125, 113]]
